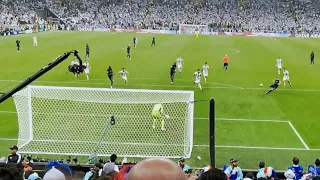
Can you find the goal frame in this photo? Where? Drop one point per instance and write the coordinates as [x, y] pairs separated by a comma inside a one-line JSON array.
[[23, 141], [194, 25]]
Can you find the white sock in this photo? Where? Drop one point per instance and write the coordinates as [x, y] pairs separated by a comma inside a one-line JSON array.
[[200, 86], [87, 77], [205, 79], [180, 70]]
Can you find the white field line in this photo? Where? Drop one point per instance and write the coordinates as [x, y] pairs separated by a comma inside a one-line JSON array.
[[153, 85], [252, 120], [299, 136]]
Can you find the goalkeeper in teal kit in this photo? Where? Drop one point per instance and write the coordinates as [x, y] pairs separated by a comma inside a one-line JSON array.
[[157, 114]]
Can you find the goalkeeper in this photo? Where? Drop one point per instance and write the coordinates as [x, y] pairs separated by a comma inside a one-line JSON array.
[[157, 114]]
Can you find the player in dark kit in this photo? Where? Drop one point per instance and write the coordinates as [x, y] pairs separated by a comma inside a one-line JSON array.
[[87, 51], [110, 75], [153, 43], [172, 72], [134, 42], [312, 59], [274, 86], [18, 45], [128, 51]]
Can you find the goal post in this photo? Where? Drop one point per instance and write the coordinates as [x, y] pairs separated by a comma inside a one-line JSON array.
[[70, 121], [192, 28]]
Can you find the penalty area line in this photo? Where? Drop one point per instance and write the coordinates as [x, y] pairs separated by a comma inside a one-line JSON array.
[[299, 136]]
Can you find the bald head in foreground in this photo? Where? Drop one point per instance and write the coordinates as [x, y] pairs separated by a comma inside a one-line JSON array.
[[156, 169]]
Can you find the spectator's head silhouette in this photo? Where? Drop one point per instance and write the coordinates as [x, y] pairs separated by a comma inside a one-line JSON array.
[[213, 174], [156, 169]]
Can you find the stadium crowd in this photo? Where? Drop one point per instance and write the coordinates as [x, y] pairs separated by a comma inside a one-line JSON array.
[[18, 168], [231, 15]]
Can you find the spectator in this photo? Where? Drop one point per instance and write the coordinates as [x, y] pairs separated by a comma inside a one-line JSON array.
[[28, 170], [182, 165], [98, 167], [249, 176], [189, 175], [233, 172], [289, 174], [156, 169], [123, 173], [261, 171], [58, 171], [111, 167], [296, 168], [213, 174], [314, 169], [14, 157], [10, 173]]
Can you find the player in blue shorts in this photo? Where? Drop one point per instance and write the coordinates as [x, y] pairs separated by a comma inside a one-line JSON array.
[[274, 86]]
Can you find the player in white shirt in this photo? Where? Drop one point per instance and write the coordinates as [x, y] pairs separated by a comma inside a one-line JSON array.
[[124, 74], [286, 77], [205, 71], [197, 78], [279, 64], [87, 69], [179, 63], [35, 41]]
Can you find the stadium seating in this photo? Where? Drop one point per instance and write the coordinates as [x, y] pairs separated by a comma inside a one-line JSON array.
[[245, 15]]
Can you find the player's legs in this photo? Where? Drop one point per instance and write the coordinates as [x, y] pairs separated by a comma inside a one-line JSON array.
[[205, 76], [199, 85], [180, 69], [87, 75], [18, 48], [162, 125], [125, 80], [225, 66], [312, 62], [128, 55], [155, 117], [172, 77], [111, 79], [279, 69]]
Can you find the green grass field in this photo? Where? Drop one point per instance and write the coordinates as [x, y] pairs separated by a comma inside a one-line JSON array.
[[250, 126]]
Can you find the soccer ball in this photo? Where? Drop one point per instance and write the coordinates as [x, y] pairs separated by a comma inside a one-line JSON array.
[[261, 85]]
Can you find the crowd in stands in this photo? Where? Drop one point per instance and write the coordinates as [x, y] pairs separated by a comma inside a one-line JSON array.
[[231, 15], [19, 168]]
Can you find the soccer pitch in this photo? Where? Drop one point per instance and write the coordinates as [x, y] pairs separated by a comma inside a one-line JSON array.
[[250, 126]]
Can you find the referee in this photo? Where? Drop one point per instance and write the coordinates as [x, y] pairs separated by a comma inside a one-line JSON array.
[[172, 72], [14, 157], [110, 75]]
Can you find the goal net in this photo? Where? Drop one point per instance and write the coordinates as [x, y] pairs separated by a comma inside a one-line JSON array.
[[71, 121], [191, 29]]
